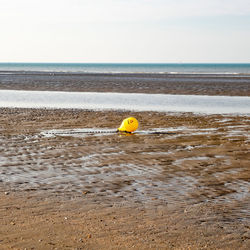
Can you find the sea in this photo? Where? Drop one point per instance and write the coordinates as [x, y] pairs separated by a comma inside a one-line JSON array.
[[158, 68]]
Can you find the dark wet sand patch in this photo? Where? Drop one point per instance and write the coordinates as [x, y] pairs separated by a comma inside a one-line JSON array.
[[238, 85]]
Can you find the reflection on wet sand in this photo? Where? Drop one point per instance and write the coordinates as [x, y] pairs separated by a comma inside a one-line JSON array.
[[61, 182], [206, 159]]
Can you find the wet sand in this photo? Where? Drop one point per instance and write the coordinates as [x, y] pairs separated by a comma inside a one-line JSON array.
[[193, 84], [188, 189]]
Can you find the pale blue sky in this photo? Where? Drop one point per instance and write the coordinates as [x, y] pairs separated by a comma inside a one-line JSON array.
[[125, 30]]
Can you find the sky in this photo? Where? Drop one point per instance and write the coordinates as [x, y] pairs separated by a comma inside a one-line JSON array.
[[124, 31]]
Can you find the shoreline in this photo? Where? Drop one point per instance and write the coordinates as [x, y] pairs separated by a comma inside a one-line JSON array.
[[159, 74]]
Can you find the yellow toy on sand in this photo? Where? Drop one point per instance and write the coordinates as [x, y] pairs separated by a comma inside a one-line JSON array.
[[128, 125]]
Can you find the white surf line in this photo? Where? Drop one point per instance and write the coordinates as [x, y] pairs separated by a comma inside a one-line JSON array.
[[125, 101]]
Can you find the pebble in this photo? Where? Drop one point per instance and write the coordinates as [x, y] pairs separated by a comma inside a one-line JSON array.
[[6, 193], [85, 192]]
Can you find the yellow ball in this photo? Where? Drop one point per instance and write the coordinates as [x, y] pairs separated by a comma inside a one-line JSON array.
[[129, 125]]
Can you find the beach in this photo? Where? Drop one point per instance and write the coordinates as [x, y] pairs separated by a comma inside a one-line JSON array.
[[195, 84], [187, 188]]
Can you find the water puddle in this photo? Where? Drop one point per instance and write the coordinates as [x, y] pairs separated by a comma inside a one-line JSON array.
[[126, 101], [102, 132], [78, 132]]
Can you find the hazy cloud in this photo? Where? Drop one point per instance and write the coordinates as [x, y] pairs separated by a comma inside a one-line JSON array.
[[125, 30]]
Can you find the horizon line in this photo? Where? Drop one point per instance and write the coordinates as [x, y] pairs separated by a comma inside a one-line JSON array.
[[36, 62]]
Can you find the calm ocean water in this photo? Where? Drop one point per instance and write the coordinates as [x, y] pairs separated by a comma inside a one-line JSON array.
[[171, 68]]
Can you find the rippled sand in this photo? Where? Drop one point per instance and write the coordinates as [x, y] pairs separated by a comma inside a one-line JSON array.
[[192, 182]]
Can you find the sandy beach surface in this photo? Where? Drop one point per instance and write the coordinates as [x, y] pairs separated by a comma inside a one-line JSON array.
[[61, 188], [185, 189], [192, 84]]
